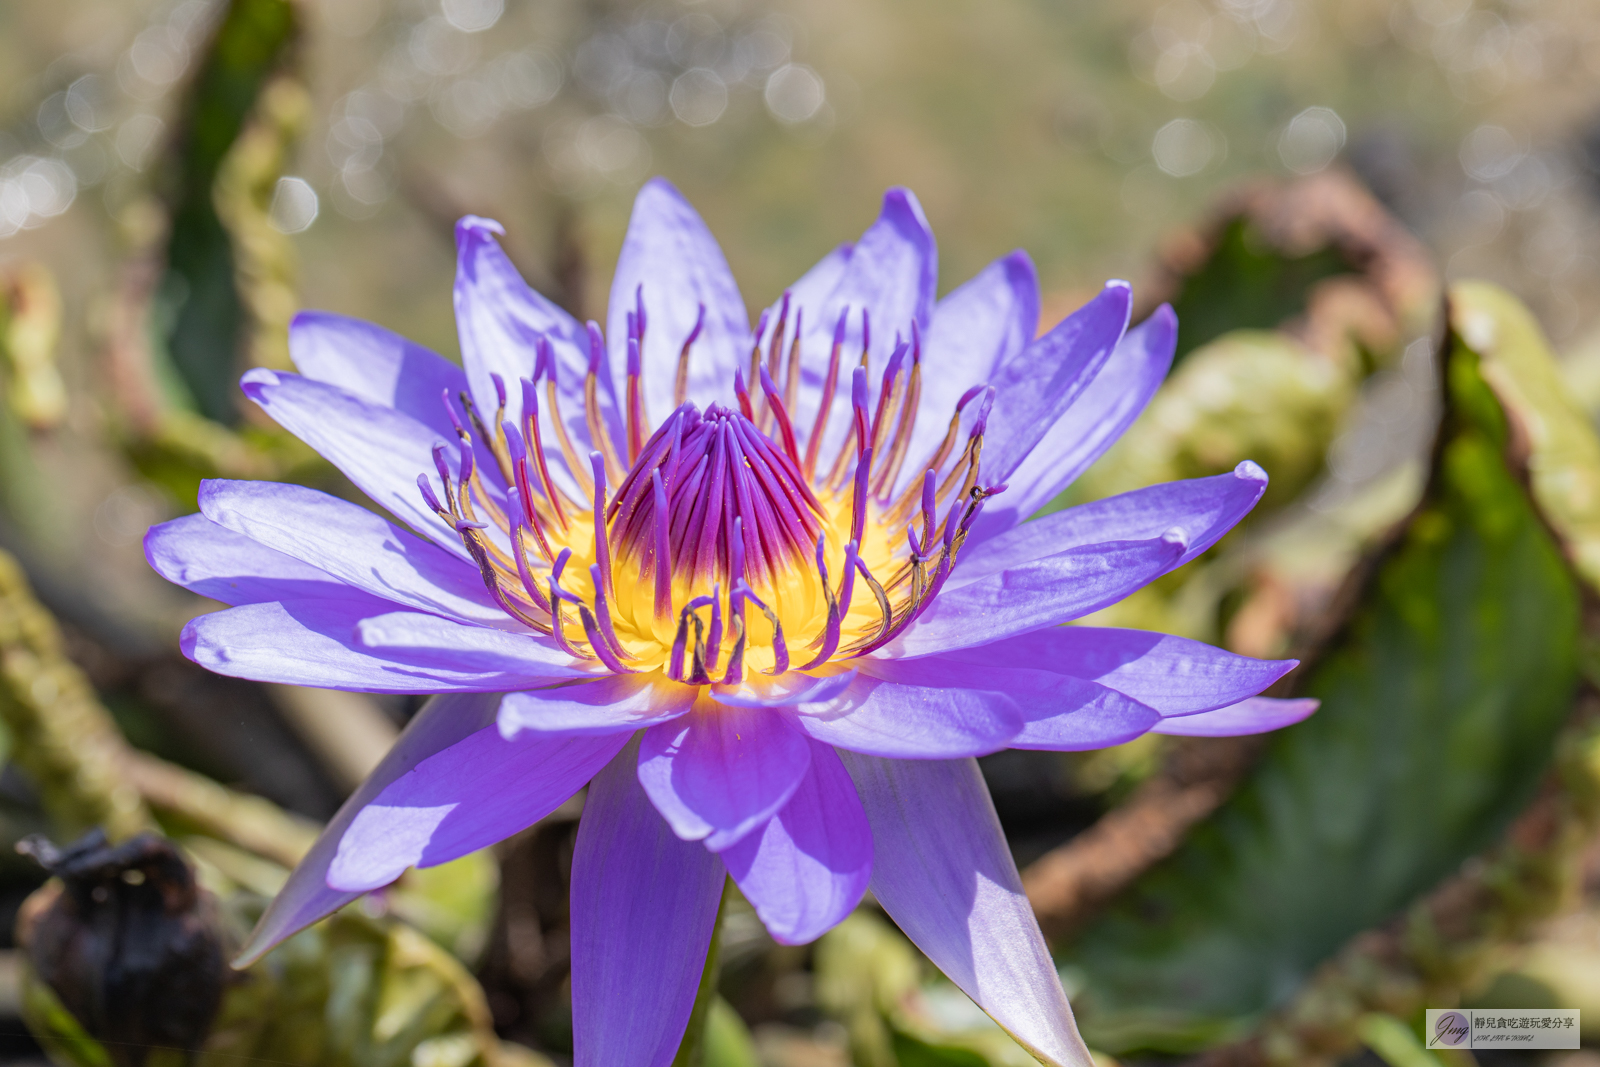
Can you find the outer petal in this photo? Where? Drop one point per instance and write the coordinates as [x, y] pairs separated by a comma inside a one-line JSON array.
[[1105, 409], [422, 638], [312, 642], [913, 713], [375, 364], [1256, 715], [1037, 385], [721, 772], [305, 898], [1173, 675], [791, 688], [808, 867], [980, 326], [1051, 710], [379, 449], [211, 560], [671, 253], [353, 545], [1040, 593], [893, 271], [480, 790], [499, 319], [644, 904], [1203, 508], [944, 874], [605, 706]]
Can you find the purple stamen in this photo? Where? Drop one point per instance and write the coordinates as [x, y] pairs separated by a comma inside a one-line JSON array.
[[639, 317], [499, 389], [428, 498], [544, 359], [679, 642], [743, 394], [663, 563], [524, 573], [597, 642], [602, 547], [714, 635], [602, 611], [597, 346], [775, 405]]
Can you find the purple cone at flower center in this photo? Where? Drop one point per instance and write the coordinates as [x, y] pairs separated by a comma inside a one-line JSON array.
[[765, 592]]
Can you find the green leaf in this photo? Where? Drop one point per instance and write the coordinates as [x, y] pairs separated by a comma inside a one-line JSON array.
[[1247, 284], [727, 1041], [1441, 698], [198, 297]]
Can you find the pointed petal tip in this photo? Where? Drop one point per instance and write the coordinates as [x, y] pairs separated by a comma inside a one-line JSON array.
[[470, 226], [258, 376], [657, 185], [189, 640], [1250, 471], [899, 200]]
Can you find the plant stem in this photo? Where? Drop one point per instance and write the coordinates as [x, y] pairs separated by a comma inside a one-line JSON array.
[[691, 1053]]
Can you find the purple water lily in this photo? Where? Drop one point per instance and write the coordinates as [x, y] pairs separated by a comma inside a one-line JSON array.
[[766, 593]]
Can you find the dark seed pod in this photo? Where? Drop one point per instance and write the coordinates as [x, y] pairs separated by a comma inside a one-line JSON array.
[[128, 941]]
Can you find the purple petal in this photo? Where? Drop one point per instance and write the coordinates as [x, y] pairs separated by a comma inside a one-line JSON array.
[[1257, 715], [354, 545], [379, 449], [605, 706], [480, 790], [312, 642], [978, 327], [792, 687], [1039, 383], [808, 867], [926, 710], [643, 907], [893, 272], [721, 772], [305, 898], [1033, 595], [376, 365], [1105, 409], [1173, 675], [1079, 716], [1203, 508], [671, 253], [417, 637], [215, 562], [499, 318], [943, 872]]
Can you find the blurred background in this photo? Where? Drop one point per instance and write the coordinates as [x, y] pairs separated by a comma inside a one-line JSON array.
[[1304, 179]]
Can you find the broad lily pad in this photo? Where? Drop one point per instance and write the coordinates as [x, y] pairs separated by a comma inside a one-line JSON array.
[[1442, 695]]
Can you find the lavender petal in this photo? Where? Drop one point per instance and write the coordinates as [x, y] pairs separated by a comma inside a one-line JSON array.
[[1105, 409], [305, 898], [807, 868], [943, 872], [1039, 383], [720, 772], [669, 251], [1257, 715], [480, 790], [643, 907]]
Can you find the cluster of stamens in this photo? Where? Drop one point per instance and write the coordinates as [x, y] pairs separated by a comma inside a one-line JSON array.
[[716, 512]]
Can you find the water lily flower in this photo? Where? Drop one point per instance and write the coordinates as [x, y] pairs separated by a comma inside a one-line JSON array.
[[765, 592]]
